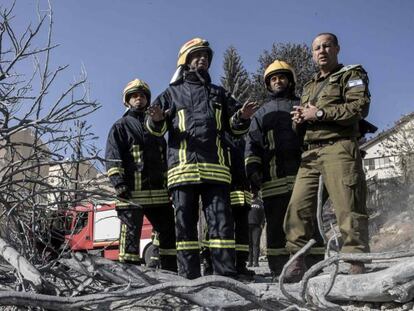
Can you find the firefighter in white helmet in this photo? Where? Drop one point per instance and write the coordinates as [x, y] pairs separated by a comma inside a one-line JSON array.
[[136, 166], [272, 157], [196, 113]]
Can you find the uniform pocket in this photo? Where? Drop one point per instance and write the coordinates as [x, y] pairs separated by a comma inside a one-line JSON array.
[[356, 196], [348, 147], [351, 179], [331, 90]]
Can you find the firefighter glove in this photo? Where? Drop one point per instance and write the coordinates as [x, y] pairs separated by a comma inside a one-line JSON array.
[[122, 192]]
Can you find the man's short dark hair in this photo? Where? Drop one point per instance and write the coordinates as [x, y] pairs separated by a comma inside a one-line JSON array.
[[333, 36]]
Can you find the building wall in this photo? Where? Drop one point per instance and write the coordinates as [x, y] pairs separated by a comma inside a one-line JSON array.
[[378, 165], [20, 160], [383, 154]]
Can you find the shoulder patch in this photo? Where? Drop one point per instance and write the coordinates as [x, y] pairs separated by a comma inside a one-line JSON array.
[[356, 82]]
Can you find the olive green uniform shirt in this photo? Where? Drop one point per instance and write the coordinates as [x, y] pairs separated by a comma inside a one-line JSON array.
[[345, 100]]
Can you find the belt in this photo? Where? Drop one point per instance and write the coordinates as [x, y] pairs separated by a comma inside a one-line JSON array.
[[314, 144]]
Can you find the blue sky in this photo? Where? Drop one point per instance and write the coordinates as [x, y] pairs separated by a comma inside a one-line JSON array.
[[117, 41]]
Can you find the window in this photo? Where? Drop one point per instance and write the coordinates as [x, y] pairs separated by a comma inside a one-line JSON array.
[[377, 163], [369, 164]]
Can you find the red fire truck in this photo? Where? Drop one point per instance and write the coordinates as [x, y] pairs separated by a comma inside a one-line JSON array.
[[95, 229]]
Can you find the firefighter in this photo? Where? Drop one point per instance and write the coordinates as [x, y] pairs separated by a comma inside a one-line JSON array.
[[196, 114], [240, 199], [154, 260], [256, 220], [333, 103], [272, 157], [136, 165]]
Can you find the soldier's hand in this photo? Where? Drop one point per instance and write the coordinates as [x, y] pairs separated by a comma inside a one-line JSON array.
[[248, 109], [156, 113], [297, 115], [309, 112]]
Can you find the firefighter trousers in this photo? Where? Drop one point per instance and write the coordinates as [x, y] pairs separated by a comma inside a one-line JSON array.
[[241, 232], [275, 209], [162, 219], [255, 232], [216, 207]]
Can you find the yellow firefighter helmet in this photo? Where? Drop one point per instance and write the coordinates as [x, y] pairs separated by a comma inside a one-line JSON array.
[[135, 86], [193, 45], [278, 66]]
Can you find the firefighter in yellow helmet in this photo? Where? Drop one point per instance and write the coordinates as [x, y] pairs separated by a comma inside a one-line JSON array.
[[136, 167], [272, 157], [196, 114]]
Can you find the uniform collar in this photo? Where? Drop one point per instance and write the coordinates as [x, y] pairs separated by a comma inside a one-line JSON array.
[[133, 112], [317, 76], [284, 95], [199, 77]]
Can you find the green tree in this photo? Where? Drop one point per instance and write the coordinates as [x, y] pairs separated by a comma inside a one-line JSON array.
[[236, 79], [299, 56]]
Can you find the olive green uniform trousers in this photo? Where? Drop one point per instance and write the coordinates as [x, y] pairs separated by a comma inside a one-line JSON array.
[[340, 164]]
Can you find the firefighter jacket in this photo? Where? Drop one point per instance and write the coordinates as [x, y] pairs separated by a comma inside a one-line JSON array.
[[136, 159], [239, 190], [198, 114], [272, 147], [344, 98]]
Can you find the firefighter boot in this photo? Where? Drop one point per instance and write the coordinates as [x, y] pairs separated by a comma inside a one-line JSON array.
[[250, 263], [295, 270], [206, 261], [276, 264], [242, 272]]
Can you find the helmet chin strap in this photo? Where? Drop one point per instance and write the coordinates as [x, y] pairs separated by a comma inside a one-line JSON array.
[[199, 74]]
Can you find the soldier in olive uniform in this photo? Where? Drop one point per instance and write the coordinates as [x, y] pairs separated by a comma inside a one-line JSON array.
[[332, 104]]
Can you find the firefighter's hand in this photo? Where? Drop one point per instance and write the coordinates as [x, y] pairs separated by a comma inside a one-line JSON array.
[[248, 109], [122, 192], [156, 113]]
